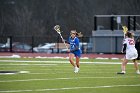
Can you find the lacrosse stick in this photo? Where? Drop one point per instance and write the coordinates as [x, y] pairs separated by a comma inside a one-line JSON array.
[[57, 29], [125, 29]]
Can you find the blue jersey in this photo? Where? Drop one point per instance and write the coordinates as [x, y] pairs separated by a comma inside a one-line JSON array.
[[74, 46]]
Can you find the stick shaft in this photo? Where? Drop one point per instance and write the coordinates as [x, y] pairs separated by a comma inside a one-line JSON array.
[[63, 40]]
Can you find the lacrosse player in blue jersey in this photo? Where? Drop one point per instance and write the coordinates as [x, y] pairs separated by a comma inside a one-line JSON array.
[[74, 50]]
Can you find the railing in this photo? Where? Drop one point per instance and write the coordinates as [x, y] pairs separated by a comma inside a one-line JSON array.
[[114, 22], [95, 44]]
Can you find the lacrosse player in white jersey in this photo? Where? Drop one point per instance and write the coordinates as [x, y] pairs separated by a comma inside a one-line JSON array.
[[131, 53]]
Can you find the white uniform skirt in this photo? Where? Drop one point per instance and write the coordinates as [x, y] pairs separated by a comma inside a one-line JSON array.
[[131, 54]]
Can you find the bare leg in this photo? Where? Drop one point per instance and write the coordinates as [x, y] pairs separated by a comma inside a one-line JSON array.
[[71, 57], [77, 62], [136, 65], [124, 63]]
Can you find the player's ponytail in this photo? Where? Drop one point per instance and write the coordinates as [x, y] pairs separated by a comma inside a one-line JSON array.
[[129, 34], [79, 34]]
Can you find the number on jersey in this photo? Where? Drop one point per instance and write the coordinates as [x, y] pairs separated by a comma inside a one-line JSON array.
[[131, 42]]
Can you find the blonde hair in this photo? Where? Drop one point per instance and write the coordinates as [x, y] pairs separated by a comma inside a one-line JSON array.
[[76, 33]]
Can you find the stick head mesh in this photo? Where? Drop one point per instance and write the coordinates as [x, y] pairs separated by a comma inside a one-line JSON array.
[[57, 28], [125, 29]]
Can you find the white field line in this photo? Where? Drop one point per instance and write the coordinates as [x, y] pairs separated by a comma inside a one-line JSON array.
[[69, 66], [69, 88], [61, 62], [27, 80], [70, 72], [64, 66], [22, 72], [30, 64], [62, 70]]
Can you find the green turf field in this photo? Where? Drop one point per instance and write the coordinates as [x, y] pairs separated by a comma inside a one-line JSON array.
[[57, 76]]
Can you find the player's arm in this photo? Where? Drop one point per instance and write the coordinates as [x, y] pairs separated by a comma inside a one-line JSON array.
[[66, 41], [124, 45], [124, 48], [76, 46]]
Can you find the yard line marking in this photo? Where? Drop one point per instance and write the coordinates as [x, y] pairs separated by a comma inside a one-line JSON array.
[[85, 62], [70, 72], [30, 64], [26, 80], [11, 91], [69, 88], [3, 72]]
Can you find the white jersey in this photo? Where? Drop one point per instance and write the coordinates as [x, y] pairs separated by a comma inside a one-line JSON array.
[[131, 52]]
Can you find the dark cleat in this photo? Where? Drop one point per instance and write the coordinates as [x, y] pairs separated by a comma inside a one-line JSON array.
[[120, 73]]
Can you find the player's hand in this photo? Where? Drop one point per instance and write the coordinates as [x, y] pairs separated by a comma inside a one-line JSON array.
[[68, 50]]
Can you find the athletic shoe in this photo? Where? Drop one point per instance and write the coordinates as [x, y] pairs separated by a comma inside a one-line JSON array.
[[120, 72], [138, 72], [76, 70]]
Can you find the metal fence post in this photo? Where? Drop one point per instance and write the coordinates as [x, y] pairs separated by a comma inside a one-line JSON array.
[[32, 43], [134, 23], [58, 44], [10, 43], [112, 23], [95, 23], [128, 23]]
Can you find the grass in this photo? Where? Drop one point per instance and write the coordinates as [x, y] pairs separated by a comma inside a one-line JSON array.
[[61, 59], [48, 77]]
